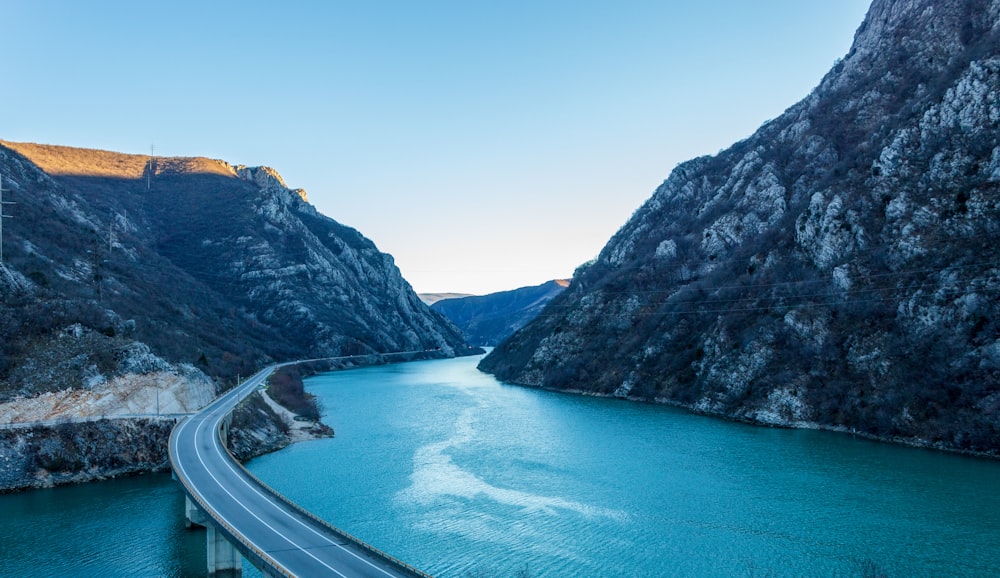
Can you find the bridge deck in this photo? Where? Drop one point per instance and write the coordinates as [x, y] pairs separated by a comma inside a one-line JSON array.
[[272, 533]]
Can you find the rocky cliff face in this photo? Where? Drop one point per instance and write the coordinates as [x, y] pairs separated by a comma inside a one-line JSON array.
[[487, 320], [42, 456], [136, 286], [222, 267], [839, 268]]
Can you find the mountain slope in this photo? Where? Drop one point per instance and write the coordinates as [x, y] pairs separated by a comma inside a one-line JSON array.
[[839, 268], [217, 266], [487, 320]]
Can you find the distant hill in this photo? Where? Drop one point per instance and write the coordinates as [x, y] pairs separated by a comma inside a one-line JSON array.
[[840, 268], [432, 298], [487, 320], [217, 267]]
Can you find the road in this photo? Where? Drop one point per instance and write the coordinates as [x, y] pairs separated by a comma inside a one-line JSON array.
[[264, 526]]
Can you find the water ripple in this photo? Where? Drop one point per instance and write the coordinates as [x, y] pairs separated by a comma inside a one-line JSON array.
[[436, 476]]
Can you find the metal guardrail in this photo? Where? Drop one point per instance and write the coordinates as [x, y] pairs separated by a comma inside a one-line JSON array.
[[244, 545], [248, 548], [352, 539]]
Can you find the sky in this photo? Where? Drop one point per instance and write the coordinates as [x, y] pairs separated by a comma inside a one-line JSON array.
[[486, 145]]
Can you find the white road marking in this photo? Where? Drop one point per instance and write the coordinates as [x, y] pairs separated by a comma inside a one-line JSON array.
[[269, 498], [252, 513], [214, 416]]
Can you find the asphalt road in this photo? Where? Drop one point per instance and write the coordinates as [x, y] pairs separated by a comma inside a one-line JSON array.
[[290, 541]]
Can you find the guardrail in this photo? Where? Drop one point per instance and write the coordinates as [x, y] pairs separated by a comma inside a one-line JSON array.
[[244, 545], [250, 550], [342, 534]]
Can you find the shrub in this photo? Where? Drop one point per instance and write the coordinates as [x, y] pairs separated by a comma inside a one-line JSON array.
[[285, 386]]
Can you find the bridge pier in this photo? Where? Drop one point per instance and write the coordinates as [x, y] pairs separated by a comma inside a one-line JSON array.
[[224, 428], [224, 560], [193, 516]]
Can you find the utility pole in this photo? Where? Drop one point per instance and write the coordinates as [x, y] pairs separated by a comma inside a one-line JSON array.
[[3, 216], [149, 168]]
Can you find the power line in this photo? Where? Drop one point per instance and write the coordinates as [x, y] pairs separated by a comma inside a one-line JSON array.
[[908, 284]]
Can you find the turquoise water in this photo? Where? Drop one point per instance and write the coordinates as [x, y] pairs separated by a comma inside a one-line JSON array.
[[117, 528], [461, 475], [465, 477]]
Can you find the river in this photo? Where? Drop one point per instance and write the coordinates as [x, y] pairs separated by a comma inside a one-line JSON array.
[[463, 476]]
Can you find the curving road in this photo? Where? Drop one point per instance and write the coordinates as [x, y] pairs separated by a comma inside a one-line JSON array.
[[274, 534]]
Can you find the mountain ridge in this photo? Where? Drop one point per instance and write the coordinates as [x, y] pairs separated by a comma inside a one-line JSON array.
[[836, 269]]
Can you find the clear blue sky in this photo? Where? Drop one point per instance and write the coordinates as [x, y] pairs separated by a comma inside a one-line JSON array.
[[486, 145]]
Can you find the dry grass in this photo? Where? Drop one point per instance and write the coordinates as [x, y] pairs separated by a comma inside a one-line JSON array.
[[70, 161]]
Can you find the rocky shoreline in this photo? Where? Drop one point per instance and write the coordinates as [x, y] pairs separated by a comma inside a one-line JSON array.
[[783, 424], [45, 455], [260, 426]]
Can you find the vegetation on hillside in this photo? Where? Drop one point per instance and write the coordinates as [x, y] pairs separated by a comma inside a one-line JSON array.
[[286, 387]]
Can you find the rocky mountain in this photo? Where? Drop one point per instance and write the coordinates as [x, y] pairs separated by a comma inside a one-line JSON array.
[[838, 269], [183, 265], [486, 320], [133, 288]]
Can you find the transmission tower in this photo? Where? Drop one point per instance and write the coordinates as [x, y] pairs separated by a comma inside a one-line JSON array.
[[150, 165], [3, 216]]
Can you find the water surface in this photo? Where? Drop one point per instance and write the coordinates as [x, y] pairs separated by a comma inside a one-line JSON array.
[[461, 475], [116, 528]]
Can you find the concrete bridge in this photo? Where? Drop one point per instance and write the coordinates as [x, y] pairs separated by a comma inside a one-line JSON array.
[[246, 518]]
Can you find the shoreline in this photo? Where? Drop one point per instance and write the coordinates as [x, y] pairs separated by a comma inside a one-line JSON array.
[[801, 425], [19, 466], [299, 429]]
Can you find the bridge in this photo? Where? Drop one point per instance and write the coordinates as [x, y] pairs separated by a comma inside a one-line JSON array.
[[247, 519]]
